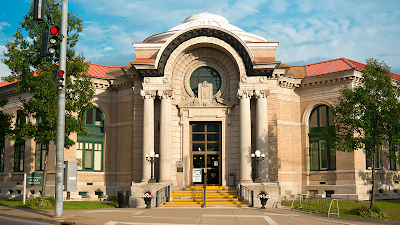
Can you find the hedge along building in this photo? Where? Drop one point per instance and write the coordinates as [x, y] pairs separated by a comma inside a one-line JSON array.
[[207, 94]]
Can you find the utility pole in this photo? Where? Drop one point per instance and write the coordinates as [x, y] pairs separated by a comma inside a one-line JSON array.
[[60, 139]]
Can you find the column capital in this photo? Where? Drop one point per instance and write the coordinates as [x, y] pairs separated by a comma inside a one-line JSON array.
[[146, 94], [244, 94], [166, 94], [261, 93]]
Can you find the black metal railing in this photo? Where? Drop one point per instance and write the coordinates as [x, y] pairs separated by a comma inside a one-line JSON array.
[[315, 204], [163, 195], [246, 195]]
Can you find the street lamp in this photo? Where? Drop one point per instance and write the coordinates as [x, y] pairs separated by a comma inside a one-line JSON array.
[[151, 158], [257, 157]]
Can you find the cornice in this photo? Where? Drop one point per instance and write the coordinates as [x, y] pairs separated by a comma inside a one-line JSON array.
[[315, 83]]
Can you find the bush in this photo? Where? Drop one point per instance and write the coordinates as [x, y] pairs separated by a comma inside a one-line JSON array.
[[41, 202], [369, 212]]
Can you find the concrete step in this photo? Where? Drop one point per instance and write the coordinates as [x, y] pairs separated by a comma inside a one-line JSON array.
[[216, 196]]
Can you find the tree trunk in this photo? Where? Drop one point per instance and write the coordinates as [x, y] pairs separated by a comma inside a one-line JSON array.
[[373, 181], [45, 172]]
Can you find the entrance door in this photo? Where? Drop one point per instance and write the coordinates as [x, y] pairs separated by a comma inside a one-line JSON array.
[[206, 150]]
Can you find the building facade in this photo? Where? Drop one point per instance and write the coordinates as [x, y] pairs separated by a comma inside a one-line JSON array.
[[206, 94]]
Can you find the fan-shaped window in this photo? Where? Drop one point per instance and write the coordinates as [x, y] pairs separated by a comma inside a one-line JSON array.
[[89, 150], [202, 74], [321, 158]]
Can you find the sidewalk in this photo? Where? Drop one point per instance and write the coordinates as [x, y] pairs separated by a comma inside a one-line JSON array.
[[188, 216]]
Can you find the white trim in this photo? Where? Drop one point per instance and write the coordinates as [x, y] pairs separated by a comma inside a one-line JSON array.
[[262, 44]]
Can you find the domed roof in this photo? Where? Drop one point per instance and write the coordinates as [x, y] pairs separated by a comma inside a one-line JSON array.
[[206, 19]]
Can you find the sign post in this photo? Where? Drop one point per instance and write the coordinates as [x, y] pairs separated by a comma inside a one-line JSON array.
[[24, 198], [205, 187]]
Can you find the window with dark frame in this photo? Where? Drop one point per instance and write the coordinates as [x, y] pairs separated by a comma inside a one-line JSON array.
[[321, 158], [202, 74], [89, 151], [19, 146], [40, 156], [2, 143]]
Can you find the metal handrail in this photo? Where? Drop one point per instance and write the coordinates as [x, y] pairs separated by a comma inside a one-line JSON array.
[[246, 195], [163, 195]]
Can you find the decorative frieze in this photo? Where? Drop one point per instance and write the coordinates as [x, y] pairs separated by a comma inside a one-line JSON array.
[[288, 84], [244, 94], [261, 93], [148, 94], [165, 94], [338, 80]]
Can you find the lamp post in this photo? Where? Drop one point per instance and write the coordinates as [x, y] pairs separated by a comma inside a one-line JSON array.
[[151, 158], [257, 157]]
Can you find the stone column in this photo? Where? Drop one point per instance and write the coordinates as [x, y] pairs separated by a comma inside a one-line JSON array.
[[245, 136], [165, 136], [148, 131], [262, 132]]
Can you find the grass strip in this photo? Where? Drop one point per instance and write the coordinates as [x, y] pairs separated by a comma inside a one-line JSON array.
[[392, 209], [66, 204]]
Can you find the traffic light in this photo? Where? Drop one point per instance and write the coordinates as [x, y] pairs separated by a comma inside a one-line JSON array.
[[49, 40], [60, 80], [38, 9]]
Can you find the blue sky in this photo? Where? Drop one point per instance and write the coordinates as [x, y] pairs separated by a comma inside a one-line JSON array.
[[308, 30]]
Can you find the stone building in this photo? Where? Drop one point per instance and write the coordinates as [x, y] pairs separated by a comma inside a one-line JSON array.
[[206, 94]]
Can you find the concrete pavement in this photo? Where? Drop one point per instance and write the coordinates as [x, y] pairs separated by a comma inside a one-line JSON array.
[[183, 216]]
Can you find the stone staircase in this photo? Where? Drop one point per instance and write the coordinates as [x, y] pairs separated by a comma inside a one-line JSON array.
[[216, 196]]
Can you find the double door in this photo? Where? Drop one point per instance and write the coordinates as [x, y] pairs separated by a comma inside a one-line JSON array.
[[206, 150]]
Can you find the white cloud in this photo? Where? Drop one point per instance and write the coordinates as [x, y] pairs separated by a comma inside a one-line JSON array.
[[279, 6], [4, 71], [93, 31], [306, 29]]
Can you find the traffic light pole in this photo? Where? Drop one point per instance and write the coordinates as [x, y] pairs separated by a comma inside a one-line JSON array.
[[61, 115]]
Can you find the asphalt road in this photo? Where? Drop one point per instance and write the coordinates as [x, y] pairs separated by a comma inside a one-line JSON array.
[[4, 220]]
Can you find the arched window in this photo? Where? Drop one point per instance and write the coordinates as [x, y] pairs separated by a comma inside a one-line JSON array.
[[89, 151], [202, 74], [19, 147], [321, 158]]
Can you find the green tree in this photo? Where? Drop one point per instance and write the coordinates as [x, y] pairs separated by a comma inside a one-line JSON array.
[[37, 75], [366, 115]]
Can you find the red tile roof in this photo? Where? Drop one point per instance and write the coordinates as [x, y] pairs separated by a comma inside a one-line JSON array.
[[337, 65], [95, 70]]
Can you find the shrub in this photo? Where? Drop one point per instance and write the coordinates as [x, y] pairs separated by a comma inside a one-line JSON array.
[[41, 202], [369, 212]]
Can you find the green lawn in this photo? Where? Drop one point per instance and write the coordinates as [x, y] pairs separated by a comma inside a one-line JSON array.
[[392, 209], [66, 205]]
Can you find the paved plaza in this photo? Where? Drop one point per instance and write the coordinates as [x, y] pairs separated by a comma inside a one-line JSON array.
[[183, 216]]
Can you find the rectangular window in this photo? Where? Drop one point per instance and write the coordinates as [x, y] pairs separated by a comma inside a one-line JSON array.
[[89, 156], [321, 158], [79, 157], [19, 152], [2, 156], [394, 162], [324, 156], [370, 159], [314, 156], [40, 156]]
